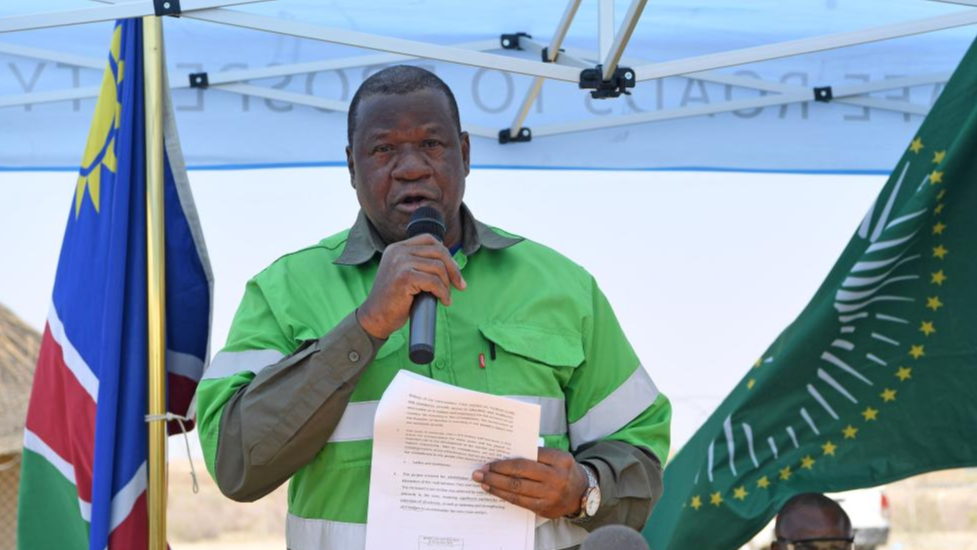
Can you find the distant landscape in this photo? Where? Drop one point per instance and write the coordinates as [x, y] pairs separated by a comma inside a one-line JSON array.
[[210, 521]]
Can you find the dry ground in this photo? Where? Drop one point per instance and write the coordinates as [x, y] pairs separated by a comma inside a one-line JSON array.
[[935, 511], [209, 521]]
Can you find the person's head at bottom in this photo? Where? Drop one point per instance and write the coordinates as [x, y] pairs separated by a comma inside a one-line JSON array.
[[812, 521], [614, 537]]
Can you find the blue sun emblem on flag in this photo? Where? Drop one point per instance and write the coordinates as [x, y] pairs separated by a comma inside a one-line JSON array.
[[98, 165]]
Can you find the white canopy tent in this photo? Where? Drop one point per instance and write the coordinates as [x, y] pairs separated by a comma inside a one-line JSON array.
[[707, 105], [626, 133]]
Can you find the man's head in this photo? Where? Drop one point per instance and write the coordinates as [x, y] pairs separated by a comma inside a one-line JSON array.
[[812, 521], [406, 150]]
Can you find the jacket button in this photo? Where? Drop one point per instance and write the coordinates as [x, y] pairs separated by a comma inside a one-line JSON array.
[[439, 364], [353, 356]]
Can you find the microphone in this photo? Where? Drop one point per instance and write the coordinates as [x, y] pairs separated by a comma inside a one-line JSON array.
[[424, 310], [614, 537]]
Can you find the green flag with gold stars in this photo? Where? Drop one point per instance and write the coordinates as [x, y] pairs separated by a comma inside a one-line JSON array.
[[875, 381]]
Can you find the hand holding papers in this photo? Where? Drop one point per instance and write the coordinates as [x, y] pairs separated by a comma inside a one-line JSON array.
[[428, 438]]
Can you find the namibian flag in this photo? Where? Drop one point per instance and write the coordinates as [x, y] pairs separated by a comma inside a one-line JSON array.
[[84, 477]]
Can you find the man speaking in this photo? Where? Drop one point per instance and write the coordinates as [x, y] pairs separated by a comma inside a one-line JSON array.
[[321, 333]]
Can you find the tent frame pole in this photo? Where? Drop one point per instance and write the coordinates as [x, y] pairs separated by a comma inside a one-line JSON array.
[[388, 44], [562, 58], [804, 95], [613, 56], [958, 2], [565, 68], [490, 61], [804, 46], [847, 95], [732, 58], [55, 96], [799, 93], [51, 55], [232, 81], [552, 54], [780, 87], [97, 14], [257, 73], [242, 75], [605, 26]]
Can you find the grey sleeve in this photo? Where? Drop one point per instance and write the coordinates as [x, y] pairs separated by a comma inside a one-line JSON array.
[[279, 422], [630, 480]]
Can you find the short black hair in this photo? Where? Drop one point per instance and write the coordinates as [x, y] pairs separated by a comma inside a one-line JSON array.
[[817, 501], [399, 80]]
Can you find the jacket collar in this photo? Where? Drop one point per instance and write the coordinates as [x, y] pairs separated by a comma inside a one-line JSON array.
[[363, 241]]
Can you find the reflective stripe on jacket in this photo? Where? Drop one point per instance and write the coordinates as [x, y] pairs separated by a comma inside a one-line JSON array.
[[544, 329]]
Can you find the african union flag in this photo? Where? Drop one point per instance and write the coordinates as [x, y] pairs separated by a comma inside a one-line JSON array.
[[875, 380], [84, 475]]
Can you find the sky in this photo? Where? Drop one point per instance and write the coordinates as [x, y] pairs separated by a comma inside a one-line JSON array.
[[703, 270]]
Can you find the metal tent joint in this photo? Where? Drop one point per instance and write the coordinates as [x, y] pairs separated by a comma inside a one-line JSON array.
[[622, 79], [511, 41], [167, 7], [545, 54], [824, 94], [524, 135], [199, 80]]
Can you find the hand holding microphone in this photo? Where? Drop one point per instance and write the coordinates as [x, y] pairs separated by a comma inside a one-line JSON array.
[[410, 269]]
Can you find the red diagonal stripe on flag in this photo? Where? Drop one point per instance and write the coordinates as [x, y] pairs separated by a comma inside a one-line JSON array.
[[133, 532], [62, 413]]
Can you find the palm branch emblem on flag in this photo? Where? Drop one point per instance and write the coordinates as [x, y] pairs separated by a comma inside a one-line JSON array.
[[881, 334], [872, 382]]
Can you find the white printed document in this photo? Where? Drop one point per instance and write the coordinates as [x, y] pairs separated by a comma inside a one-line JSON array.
[[428, 438]]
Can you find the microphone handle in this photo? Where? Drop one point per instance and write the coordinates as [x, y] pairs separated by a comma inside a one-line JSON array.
[[423, 318]]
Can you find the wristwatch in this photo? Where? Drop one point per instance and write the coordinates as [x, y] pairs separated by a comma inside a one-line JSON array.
[[590, 501]]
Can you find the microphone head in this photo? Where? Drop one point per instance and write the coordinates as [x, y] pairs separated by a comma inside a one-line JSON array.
[[426, 220], [614, 537]]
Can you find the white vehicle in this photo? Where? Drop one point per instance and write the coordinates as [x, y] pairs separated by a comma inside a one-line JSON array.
[[868, 510]]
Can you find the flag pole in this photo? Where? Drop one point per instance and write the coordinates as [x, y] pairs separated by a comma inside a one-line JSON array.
[[156, 284]]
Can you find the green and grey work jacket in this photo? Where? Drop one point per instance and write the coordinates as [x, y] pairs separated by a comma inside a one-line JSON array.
[[293, 393]]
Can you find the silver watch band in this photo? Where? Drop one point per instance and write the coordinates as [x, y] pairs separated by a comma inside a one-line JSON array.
[[591, 486]]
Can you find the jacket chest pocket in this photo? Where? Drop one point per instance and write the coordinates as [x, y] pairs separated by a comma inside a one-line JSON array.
[[530, 360]]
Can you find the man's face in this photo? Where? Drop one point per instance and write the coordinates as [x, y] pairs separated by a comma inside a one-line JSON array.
[[407, 153]]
